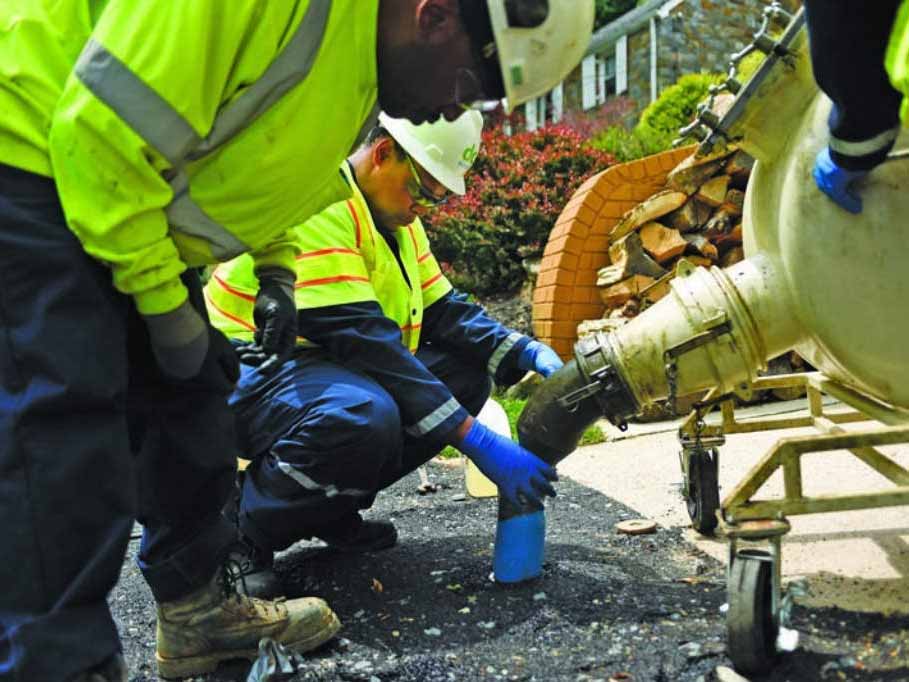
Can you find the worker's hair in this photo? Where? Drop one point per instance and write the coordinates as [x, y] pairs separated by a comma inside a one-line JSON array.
[[379, 133]]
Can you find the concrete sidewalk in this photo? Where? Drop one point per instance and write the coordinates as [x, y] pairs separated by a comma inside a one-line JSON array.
[[855, 560]]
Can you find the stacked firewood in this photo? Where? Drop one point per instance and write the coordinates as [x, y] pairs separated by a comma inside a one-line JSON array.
[[698, 216]]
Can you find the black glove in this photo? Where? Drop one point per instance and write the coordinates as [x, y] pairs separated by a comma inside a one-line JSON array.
[[275, 315]]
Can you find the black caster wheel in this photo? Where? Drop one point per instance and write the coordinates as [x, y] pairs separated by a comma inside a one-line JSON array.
[[751, 626], [702, 489]]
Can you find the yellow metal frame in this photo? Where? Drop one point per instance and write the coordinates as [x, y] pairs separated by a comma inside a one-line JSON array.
[[740, 506]]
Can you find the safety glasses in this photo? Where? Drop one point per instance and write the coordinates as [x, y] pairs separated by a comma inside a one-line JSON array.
[[419, 192]]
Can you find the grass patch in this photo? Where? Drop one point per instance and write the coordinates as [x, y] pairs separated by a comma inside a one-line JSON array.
[[513, 408]]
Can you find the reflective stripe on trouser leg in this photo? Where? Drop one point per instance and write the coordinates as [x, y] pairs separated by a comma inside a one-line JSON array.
[[321, 434], [67, 487], [470, 385]]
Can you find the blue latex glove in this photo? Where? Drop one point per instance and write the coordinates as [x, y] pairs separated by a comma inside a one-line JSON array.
[[540, 358], [836, 182], [520, 475]]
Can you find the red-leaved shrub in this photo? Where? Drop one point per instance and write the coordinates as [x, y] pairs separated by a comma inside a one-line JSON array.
[[515, 192]]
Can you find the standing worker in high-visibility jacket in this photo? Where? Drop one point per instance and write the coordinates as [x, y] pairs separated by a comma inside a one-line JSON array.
[[392, 366], [848, 48], [138, 140]]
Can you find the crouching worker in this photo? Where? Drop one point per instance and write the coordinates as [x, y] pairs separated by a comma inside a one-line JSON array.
[[393, 363]]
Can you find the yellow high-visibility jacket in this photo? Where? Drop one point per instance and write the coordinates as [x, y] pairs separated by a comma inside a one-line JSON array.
[[343, 259], [181, 133], [897, 57]]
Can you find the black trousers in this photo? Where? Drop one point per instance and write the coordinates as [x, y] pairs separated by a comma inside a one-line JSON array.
[[92, 437]]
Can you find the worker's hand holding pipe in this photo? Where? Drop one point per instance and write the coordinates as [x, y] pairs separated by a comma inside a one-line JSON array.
[[520, 475], [540, 358]]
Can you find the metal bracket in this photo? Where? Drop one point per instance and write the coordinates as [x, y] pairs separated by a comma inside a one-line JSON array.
[[709, 128]]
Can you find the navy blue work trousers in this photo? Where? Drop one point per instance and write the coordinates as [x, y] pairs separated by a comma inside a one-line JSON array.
[[92, 437], [325, 439]]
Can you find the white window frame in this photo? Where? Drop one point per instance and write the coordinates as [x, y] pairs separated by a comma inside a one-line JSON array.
[[589, 82], [621, 65]]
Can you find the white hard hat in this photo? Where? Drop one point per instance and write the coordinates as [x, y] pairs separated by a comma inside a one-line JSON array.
[[537, 42], [445, 149], [534, 60]]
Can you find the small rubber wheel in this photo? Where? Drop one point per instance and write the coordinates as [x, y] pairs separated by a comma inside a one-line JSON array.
[[703, 498], [751, 626]]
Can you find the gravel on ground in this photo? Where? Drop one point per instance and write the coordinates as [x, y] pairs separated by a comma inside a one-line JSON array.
[[609, 606]]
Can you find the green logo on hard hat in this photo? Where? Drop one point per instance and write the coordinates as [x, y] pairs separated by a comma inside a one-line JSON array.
[[470, 154]]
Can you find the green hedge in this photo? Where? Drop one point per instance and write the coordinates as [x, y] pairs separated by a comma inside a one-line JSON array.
[[660, 122]]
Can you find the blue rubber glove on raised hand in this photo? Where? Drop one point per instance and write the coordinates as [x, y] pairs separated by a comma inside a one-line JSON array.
[[837, 182], [520, 475], [540, 358]]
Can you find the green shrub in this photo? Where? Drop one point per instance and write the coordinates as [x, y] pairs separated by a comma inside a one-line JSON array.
[[518, 187], [675, 107], [660, 122]]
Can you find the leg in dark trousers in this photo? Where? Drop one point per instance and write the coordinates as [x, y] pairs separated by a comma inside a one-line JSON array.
[[326, 439], [80, 407]]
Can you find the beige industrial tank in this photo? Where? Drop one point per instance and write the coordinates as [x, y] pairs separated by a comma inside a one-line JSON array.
[[816, 278], [844, 275]]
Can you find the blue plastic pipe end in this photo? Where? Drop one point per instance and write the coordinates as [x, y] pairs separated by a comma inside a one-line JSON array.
[[520, 545]]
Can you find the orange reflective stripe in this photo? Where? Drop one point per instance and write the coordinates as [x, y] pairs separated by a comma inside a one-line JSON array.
[[233, 318], [230, 290], [424, 257], [432, 280], [413, 240], [330, 280], [325, 252]]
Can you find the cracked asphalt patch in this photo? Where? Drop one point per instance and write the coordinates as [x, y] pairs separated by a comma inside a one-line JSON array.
[[608, 604]]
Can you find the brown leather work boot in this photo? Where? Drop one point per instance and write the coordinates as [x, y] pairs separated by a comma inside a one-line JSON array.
[[215, 623], [111, 670]]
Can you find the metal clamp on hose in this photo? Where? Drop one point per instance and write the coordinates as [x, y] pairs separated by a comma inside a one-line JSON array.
[[604, 384]]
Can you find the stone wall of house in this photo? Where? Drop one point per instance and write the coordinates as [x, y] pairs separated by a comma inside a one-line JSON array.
[[700, 35], [639, 68]]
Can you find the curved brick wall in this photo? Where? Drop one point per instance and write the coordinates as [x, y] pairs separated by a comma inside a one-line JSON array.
[[566, 291]]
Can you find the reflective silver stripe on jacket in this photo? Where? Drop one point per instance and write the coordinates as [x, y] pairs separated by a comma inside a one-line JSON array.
[[434, 418], [865, 147], [143, 109], [501, 351], [165, 129], [307, 483]]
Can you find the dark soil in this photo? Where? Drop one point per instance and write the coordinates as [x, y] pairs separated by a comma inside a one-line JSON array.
[[512, 311], [426, 610]]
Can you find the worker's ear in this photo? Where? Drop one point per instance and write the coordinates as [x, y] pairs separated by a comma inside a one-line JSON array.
[[438, 21], [382, 151]]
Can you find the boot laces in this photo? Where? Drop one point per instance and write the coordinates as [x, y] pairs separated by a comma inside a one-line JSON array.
[[233, 572]]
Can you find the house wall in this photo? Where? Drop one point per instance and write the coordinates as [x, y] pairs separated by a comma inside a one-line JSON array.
[[698, 35], [701, 35]]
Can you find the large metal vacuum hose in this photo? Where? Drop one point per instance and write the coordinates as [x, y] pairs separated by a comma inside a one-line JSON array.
[[716, 328]]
